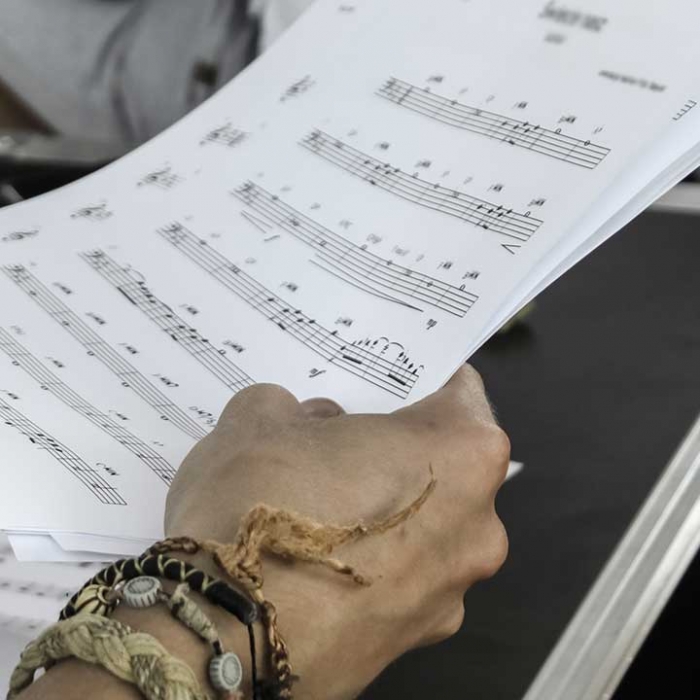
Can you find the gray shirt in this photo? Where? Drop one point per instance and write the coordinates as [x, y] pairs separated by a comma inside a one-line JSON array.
[[121, 69]]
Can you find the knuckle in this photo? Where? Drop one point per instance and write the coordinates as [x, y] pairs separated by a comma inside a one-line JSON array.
[[485, 444], [473, 377], [495, 550], [263, 394], [495, 444], [451, 623], [258, 399]]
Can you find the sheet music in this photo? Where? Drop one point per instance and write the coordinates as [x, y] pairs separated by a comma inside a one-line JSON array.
[[36, 592], [31, 596], [350, 217]]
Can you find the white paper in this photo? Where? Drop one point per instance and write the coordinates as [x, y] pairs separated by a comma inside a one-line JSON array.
[[31, 597], [514, 468], [351, 217], [100, 546], [32, 591], [42, 547]]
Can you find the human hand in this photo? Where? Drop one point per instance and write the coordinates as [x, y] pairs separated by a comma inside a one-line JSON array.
[[313, 459]]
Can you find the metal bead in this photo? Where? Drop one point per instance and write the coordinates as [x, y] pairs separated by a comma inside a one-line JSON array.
[[141, 592], [93, 599], [226, 672]]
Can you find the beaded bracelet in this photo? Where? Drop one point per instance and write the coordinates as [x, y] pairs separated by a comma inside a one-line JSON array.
[[95, 595], [225, 670], [91, 597]]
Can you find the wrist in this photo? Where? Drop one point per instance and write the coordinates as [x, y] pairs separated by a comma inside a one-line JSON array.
[[324, 621], [186, 645], [74, 678]]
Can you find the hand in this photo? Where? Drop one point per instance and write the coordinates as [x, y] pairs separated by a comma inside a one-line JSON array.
[[313, 459]]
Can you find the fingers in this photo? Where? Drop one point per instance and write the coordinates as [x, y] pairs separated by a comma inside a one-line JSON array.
[[273, 404], [260, 403], [322, 408], [462, 399], [466, 390]]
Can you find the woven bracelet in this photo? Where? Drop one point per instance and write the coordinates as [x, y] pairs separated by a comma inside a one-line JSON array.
[[224, 668], [95, 596], [135, 657], [91, 597]]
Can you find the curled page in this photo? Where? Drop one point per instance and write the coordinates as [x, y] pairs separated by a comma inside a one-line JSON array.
[[349, 217]]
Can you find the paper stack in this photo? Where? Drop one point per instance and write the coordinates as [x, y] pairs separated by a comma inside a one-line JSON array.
[[353, 217]]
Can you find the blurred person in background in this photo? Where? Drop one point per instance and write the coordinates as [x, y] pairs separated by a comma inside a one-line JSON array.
[[121, 71]]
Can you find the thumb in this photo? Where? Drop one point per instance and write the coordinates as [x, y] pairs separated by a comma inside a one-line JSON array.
[[462, 398], [322, 408]]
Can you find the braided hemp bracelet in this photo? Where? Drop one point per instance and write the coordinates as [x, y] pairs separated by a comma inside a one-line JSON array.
[[135, 657]]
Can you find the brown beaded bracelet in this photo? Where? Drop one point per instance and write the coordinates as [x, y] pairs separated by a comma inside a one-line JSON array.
[[218, 592]]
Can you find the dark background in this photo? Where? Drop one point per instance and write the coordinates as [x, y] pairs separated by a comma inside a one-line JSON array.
[[596, 392]]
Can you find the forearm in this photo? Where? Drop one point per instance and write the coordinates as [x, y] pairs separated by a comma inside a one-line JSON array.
[[268, 448], [330, 651]]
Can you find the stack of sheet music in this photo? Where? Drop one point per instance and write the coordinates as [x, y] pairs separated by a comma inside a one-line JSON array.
[[353, 216], [31, 596]]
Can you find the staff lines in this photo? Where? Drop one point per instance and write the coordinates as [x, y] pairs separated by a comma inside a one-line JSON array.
[[522, 134], [363, 266], [366, 359], [138, 294], [25, 360], [479, 212], [89, 477], [357, 282], [125, 372]]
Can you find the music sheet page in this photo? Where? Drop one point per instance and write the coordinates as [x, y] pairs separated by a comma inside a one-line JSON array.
[[347, 218]]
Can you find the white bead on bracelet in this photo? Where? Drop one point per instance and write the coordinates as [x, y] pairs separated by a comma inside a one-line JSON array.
[[225, 668]]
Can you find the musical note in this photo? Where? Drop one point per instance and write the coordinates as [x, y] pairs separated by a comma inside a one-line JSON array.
[[366, 359], [354, 264], [298, 88], [132, 285], [97, 212], [225, 135], [164, 178], [689, 105], [548, 142], [47, 380], [96, 347], [89, 477], [485, 215], [20, 235]]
